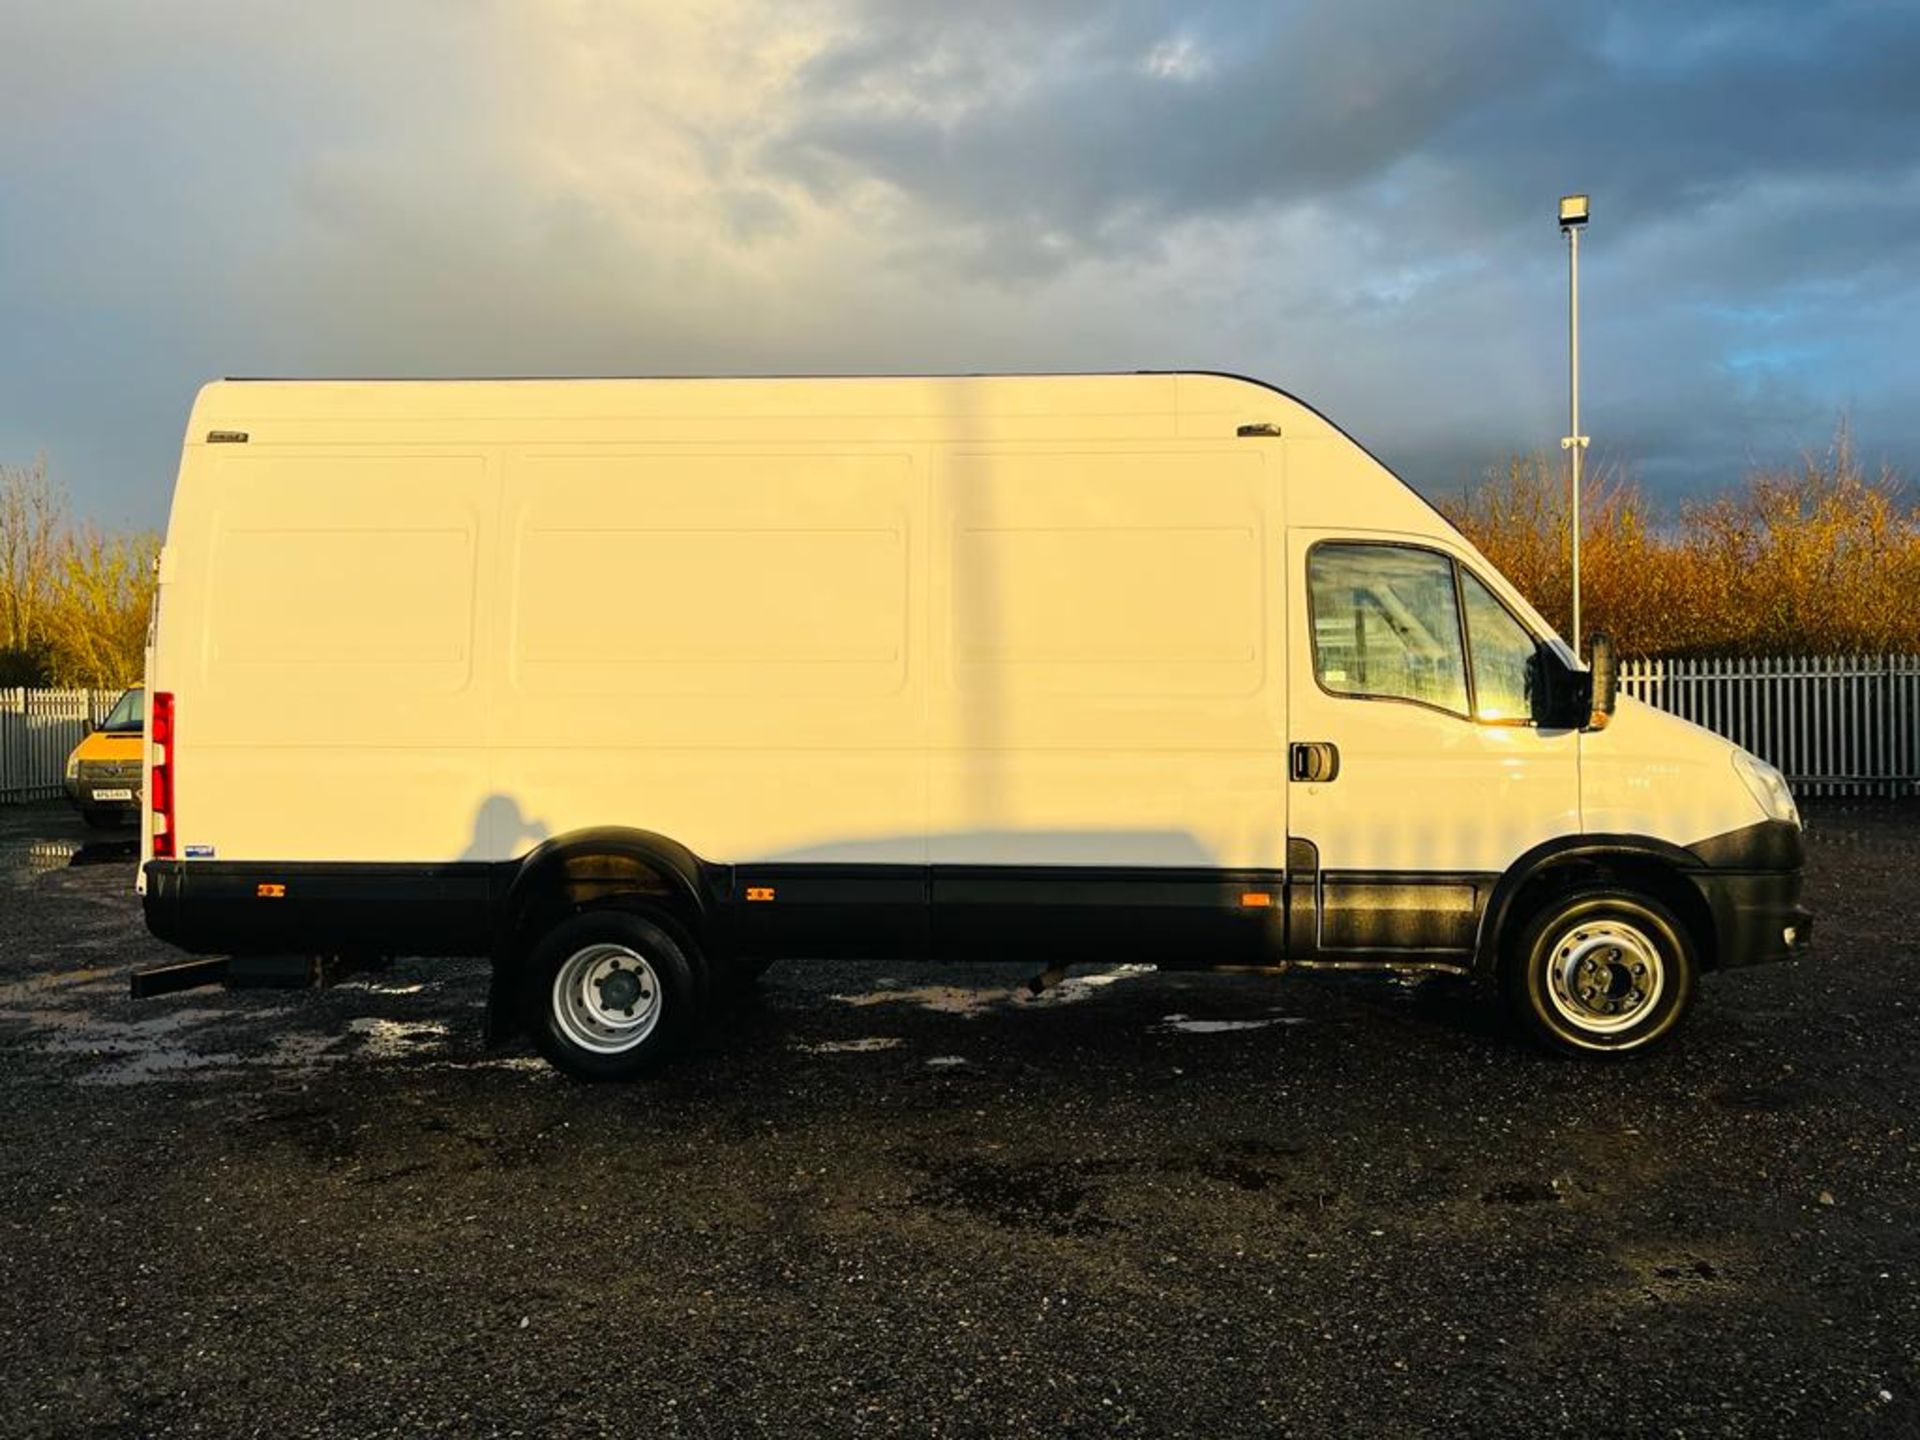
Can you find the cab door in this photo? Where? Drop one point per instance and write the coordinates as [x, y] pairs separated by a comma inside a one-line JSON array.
[[1417, 773]]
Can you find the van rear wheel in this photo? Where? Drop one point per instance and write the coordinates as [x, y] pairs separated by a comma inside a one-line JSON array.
[[1600, 972], [609, 994]]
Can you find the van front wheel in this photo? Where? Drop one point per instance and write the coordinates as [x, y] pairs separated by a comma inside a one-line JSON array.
[[608, 995], [1600, 972]]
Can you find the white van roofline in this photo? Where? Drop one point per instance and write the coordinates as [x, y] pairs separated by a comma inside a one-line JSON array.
[[207, 413]]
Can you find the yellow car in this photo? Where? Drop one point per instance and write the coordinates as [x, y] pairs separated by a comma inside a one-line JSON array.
[[103, 772]]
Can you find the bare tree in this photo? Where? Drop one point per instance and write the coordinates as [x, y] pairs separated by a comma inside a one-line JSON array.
[[96, 621], [32, 518]]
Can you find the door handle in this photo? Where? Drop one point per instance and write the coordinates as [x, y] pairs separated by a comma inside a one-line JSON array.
[[1314, 761]]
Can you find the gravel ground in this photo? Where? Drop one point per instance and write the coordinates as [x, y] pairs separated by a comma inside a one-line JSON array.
[[902, 1200]]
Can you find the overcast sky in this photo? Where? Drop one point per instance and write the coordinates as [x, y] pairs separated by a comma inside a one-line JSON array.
[[1353, 200]]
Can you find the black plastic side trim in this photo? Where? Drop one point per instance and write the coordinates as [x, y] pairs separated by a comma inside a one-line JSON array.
[[1748, 880], [1769, 845], [1753, 912], [1401, 912], [1303, 896], [219, 907], [839, 910], [606, 863], [1176, 918], [1561, 850]]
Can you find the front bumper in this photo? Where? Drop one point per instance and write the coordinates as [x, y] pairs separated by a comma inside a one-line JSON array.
[[87, 797], [107, 786], [1752, 883], [1757, 917]]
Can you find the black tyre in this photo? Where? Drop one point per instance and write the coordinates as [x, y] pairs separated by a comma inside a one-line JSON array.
[[1600, 972], [610, 994]]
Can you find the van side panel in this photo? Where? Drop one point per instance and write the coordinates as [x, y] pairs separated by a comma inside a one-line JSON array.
[[1106, 690], [1022, 637], [327, 643], [1109, 698], [726, 647]]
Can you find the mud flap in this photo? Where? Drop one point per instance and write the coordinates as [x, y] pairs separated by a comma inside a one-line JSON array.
[[503, 1008]]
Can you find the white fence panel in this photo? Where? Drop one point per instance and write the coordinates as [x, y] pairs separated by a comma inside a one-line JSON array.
[[38, 729], [1834, 724]]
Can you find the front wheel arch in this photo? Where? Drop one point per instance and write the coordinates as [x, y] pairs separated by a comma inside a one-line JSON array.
[[1644, 867]]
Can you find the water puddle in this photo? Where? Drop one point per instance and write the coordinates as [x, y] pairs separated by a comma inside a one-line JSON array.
[[518, 1064], [126, 1052], [862, 1046], [398, 1039], [1186, 1025], [59, 1016], [44, 856], [944, 999], [972, 1000], [105, 852], [1084, 987], [25, 992]]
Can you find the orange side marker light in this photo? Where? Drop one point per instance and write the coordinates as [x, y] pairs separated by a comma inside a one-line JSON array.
[[759, 892], [1257, 900], [270, 892]]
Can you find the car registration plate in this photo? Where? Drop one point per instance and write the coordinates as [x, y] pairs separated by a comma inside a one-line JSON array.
[[113, 794]]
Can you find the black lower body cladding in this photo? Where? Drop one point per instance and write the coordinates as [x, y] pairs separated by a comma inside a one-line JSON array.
[[1749, 880], [1772, 845], [1757, 915], [212, 907], [1752, 884]]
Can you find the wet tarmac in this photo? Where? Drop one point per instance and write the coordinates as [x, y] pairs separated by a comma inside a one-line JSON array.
[[896, 1200]]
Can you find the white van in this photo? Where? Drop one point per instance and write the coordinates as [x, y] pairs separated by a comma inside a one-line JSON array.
[[634, 685]]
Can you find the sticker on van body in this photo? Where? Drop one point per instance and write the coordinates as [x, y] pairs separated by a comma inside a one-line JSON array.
[[199, 852]]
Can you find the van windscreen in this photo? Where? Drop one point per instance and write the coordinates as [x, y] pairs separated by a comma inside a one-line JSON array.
[[129, 714]]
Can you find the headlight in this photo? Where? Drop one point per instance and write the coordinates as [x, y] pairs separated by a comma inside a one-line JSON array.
[[73, 767], [1768, 786]]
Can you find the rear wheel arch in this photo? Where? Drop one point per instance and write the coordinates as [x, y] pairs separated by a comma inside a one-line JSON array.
[[608, 865], [602, 868], [1628, 864]]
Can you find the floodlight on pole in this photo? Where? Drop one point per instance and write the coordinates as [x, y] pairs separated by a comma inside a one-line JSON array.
[[1573, 218]]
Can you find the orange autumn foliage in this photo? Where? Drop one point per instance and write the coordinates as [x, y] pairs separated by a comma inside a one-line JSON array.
[[1816, 558]]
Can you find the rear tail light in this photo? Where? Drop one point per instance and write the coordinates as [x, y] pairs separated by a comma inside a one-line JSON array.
[[160, 789]]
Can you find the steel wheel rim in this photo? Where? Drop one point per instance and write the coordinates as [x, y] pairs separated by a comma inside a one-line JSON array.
[[1605, 976], [606, 998]]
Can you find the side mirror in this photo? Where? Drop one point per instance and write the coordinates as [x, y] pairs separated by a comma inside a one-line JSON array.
[[1606, 682], [1562, 696], [86, 725]]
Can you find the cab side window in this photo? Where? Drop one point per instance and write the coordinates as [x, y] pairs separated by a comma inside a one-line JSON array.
[[1504, 657], [1386, 624]]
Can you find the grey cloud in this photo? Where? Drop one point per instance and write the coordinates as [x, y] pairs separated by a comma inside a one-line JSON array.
[[1351, 199], [1665, 109], [1094, 147]]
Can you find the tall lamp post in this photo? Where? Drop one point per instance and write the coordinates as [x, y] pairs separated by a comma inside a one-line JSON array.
[[1573, 218]]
